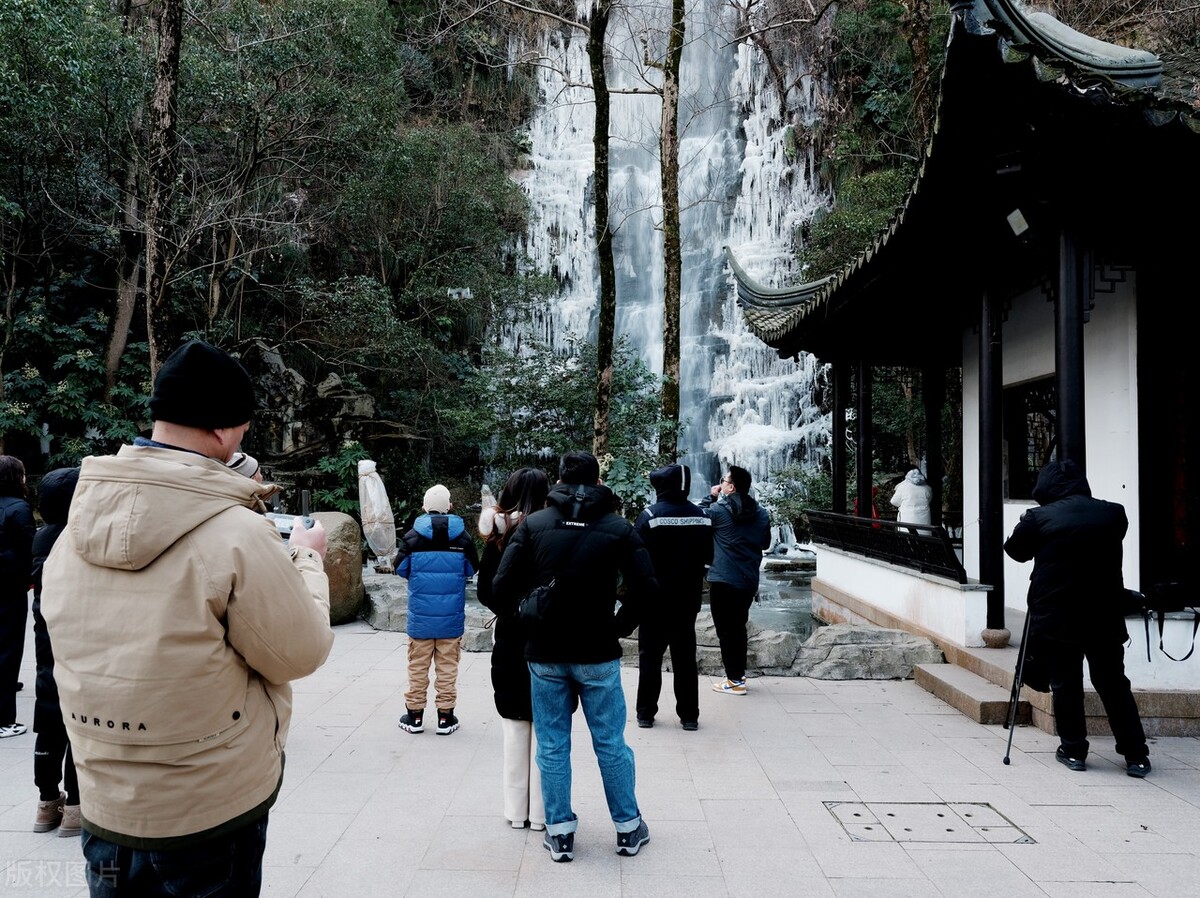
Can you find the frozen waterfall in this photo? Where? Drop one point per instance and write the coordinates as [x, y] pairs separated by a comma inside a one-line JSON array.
[[739, 185]]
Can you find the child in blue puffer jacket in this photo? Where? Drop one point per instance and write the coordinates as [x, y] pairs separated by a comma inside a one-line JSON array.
[[437, 557]]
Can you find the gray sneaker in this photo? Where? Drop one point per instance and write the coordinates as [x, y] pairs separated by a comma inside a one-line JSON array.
[[630, 843], [561, 848]]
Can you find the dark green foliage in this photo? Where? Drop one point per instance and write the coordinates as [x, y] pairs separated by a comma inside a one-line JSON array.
[[529, 409], [793, 489], [865, 206], [881, 131]]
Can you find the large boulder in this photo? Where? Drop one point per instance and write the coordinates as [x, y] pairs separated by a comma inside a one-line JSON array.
[[852, 652], [387, 601], [343, 565]]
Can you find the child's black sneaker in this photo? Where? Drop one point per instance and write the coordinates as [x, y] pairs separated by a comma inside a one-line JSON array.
[[447, 722], [413, 721]]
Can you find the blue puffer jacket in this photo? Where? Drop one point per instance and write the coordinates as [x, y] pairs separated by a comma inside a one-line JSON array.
[[437, 556]]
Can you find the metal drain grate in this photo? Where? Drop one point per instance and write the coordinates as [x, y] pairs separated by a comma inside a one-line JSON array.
[[926, 821]]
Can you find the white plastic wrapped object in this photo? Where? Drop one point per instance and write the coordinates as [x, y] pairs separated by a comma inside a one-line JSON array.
[[487, 511], [378, 523]]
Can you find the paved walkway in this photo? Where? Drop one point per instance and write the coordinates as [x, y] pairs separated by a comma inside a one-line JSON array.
[[802, 787]]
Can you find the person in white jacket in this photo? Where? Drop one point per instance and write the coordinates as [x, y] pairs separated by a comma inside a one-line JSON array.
[[912, 497]]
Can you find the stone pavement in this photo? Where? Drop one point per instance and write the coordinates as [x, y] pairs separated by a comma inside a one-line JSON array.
[[802, 787]]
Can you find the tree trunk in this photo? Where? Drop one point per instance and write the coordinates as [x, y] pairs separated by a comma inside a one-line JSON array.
[[163, 155], [923, 76], [129, 258], [672, 251], [129, 270], [597, 28]]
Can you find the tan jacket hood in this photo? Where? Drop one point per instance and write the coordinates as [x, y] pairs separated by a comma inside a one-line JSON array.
[[131, 507], [178, 618]]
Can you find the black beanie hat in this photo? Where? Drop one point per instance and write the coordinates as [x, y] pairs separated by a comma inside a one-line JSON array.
[[671, 481], [202, 386]]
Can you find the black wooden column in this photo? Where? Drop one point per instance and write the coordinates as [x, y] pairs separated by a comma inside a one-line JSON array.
[[865, 432], [837, 436], [933, 397], [1074, 283], [991, 462]]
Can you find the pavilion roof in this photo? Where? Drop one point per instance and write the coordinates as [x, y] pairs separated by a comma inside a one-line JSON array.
[[1006, 67]]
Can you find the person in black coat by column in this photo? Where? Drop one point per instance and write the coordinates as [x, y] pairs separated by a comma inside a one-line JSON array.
[[679, 537], [1075, 609]]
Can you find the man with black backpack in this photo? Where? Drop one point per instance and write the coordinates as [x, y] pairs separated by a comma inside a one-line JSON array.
[[581, 546]]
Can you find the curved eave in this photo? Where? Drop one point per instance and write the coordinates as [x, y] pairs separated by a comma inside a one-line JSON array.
[[1049, 40], [1104, 73]]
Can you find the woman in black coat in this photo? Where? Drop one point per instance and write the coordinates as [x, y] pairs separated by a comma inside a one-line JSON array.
[[524, 493], [16, 546], [52, 760]]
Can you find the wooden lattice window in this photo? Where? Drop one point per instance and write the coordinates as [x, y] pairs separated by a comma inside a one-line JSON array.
[[1030, 410]]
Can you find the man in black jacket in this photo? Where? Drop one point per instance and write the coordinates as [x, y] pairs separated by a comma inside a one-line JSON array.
[[1075, 609], [581, 545], [679, 537]]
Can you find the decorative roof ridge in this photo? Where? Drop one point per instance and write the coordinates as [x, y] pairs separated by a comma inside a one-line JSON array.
[[1051, 40]]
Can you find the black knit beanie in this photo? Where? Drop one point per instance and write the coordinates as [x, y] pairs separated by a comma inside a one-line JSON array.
[[202, 386]]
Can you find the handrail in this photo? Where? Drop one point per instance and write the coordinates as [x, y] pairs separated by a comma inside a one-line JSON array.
[[922, 547]]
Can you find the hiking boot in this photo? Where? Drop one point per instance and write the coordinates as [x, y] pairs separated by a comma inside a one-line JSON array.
[[1072, 763], [447, 722], [561, 848], [690, 725], [72, 823], [413, 721], [731, 687], [645, 722], [630, 843], [12, 729], [49, 814], [1137, 768]]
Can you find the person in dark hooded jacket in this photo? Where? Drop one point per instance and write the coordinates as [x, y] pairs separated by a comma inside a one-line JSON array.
[[741, 533], [581, 545], [52, 760], [16, 538], [678, 535], [1075, 609]]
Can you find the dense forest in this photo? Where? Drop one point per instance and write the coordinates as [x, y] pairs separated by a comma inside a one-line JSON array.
[[323, 188]]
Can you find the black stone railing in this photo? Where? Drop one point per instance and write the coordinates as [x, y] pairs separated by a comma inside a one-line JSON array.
[[922, 547]]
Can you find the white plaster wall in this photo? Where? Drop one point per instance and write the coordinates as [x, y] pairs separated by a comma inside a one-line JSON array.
[[954, 612], [1110, 409]]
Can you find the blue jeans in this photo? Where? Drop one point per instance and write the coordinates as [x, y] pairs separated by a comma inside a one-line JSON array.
[[603, 701], [229, 866]]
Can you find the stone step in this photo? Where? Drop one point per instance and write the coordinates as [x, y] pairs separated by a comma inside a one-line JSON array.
[[978, 698]]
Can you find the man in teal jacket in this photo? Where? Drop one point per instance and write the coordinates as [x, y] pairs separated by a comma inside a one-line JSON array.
[[741, 533]]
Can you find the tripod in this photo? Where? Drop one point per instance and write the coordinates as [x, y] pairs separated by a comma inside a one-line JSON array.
[[1016, 688]]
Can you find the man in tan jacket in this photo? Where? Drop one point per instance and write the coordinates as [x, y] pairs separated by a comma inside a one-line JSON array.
[[178, 618]]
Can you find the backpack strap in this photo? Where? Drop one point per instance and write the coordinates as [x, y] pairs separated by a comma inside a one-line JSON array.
[[1161, 621]]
